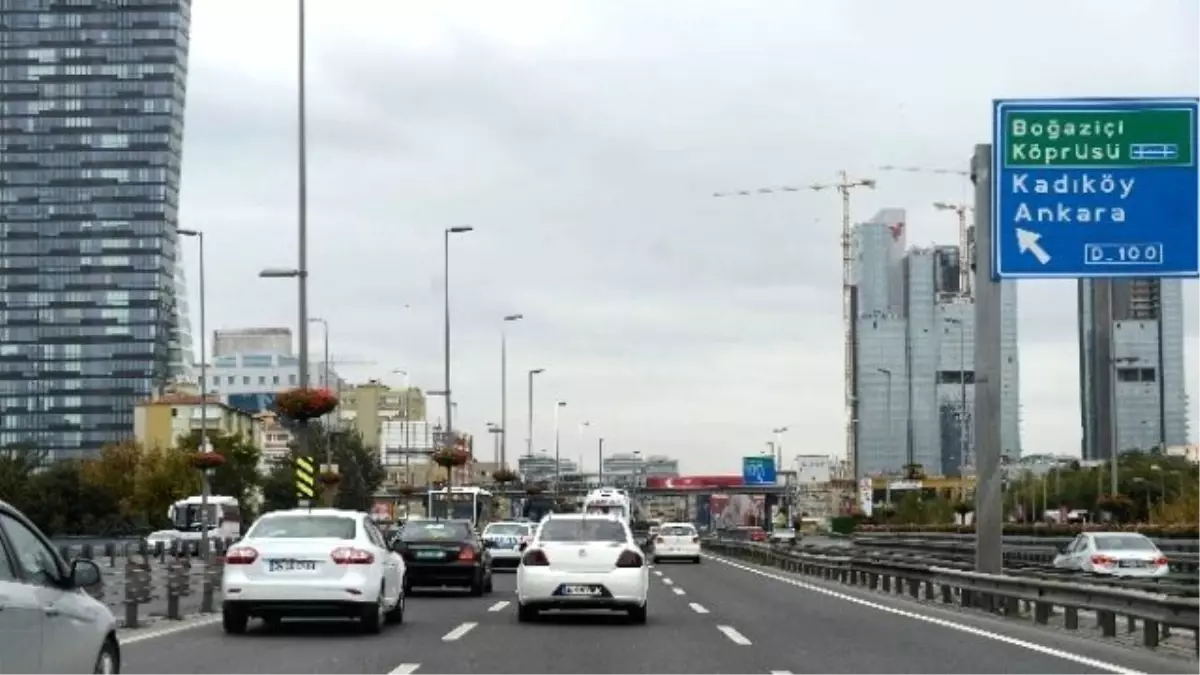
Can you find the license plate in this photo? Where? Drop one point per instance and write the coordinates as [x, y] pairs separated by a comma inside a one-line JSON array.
[[581, 590], [1133, 563], [291, 565], [429, 555]]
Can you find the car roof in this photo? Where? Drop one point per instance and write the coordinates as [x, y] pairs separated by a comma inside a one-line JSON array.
[[678, 524], [510, 522], [345, 513]]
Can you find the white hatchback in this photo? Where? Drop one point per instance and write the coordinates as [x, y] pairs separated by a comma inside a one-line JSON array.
[[579, 562], [313, 563], [677, 541]]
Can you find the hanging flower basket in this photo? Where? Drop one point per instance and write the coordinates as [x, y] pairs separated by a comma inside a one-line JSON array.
[[206, 460], [533, 489], [329, 478], [451, 457], [305, 403], [504, 476], [406, 490]]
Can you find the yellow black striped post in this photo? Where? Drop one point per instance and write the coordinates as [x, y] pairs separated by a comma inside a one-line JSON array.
[[305, 478]]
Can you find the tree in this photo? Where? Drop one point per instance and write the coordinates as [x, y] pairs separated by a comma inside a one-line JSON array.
[[359, 466], [17, 466], [238, 477], [62, 501], [164, 477], [114, 471], [279, 485]]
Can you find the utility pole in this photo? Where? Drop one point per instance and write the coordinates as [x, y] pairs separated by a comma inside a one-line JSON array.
[[844, 185]]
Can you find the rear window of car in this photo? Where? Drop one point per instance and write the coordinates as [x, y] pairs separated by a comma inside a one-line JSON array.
[[435, 531], [304, 527], [677, 531], [582, 529], [506, 530], [1127, 543]]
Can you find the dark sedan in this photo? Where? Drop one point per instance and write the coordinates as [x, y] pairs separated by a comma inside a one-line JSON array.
[[440, 553]]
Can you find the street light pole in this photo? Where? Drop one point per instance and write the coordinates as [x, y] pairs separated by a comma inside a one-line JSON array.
[[557, 454], [888, 405], [446, 334], [302, 197], [407, 424], [779, 431], [503, 438], [962, 396], [205, 483], [325, 339], [529, 436]]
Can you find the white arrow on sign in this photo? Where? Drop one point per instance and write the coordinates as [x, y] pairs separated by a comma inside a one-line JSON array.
[[1027, 241]]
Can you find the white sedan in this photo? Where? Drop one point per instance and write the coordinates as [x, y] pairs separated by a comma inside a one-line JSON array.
[[504, 540], [313, 563], [579, 562], [1119, 554]]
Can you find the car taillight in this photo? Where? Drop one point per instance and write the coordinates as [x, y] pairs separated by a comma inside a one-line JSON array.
[[467, 554], [535, 558], [346, 555], [1161, 561], [629, 559], [1103, 560], [241, 555]]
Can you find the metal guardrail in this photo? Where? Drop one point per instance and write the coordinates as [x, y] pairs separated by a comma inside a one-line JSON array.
[[139, 582], [1014, 596], [1166, 545]]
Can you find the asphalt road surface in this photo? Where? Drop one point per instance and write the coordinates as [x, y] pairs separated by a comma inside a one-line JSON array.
[[716, 617]]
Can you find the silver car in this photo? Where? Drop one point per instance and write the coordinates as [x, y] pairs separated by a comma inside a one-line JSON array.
[[504, 541], [1120, 554], [48, 624]]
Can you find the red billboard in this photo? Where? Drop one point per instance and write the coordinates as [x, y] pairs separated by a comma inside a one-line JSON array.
[[693, 482]]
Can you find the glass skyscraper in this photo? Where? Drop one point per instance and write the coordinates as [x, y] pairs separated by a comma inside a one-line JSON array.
[[91, 130]]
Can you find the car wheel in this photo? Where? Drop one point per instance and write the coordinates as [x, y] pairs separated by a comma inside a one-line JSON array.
[[109, 659], [477, 587], [234, 620], [697, 560], [373, 616], [656, 560], [526, 614], [638, 614], [396, 615]]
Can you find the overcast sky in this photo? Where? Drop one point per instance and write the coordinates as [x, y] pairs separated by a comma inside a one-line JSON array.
[[583, 140]]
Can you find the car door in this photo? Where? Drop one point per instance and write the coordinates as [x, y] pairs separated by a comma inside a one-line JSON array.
[[20, 620], [391, 577], [1065, 558], [72, 631]]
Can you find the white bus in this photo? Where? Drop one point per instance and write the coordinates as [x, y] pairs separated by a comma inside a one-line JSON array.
[[462, 503], [224, 519], [610, 501]]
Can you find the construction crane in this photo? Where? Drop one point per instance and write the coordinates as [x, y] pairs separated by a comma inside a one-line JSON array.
[[844, 186], [964, 245]]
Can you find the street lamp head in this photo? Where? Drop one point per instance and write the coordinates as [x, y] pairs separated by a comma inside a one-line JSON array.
[[459, 229], [537, 371], [315, 319], [514, 317], [885, 371], [562, 404], [189, 233], [278, 273], [400, 371]]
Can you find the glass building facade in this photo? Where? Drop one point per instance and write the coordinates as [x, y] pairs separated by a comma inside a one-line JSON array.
[[91, 130]]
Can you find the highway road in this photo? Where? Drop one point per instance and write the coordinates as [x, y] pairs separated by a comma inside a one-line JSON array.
[[717, 617]]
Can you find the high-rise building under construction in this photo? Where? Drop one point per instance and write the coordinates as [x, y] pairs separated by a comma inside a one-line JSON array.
[[914, 362], [1132, 384]]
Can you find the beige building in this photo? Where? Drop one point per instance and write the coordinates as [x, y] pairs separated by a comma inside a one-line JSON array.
[[271, 438], [160, 422], [366, 406]]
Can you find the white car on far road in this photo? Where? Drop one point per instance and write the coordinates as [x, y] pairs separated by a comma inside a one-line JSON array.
[[677, 541], [1119, 554], [504, 541], [582, 561], [313, 563]]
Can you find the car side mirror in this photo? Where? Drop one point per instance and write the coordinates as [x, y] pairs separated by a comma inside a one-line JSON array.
[[84, 574], [522, 546]]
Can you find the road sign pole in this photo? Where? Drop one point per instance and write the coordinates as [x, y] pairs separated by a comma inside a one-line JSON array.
[[989, 500]]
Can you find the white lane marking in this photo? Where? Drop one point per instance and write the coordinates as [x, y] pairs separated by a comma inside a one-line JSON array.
[[140, 634], [499, 606], [697, 608], [1095, 664], [781, 672], [734, 636], [459, 632], [667, 581], [658, 572], [404, 669], [678, 590]]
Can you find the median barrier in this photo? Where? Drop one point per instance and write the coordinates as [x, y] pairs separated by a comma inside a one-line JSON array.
[[1155, 614]]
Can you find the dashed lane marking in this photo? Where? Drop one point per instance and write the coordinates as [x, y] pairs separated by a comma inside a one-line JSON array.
[[781, 672], [667, 581], [499, 606], [1094, 664], [734, 636], [658, 572], [678, 590], [404, 669], [459, 632], [135, 635], [698, 608]]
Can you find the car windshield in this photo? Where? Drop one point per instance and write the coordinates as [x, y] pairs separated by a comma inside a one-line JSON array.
[[435, 531], [677, 531], [1126, 543], [304, 527], [506, 530], [581, 530]]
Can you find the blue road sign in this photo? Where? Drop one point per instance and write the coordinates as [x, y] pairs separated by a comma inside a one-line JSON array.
[[1095, 188], [758, 470]]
